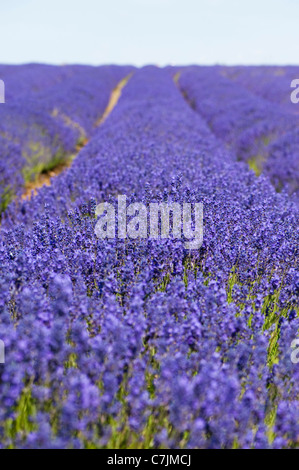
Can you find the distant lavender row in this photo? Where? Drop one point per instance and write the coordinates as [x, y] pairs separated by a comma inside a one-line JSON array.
[[271, 83], [247, 123], [11, 164], [122, 342], [50, 110], [78, 92]]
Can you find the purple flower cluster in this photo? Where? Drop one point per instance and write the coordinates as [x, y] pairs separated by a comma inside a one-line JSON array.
[[115, 343]]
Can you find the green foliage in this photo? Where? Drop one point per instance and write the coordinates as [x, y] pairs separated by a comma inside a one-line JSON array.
[[6, 198]]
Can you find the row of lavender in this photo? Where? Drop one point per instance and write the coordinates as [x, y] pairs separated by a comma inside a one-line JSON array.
[[117, 343], [274, 85], [49, 111], [258, 130], [271, 83]]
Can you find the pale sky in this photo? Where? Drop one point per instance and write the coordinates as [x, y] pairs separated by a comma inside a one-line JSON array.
[[140, 32]]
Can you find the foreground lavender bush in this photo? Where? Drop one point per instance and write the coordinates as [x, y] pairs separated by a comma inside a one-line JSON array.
[[141, 343]]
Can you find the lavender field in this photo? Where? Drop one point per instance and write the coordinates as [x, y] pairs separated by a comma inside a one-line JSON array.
[[138, 342]]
